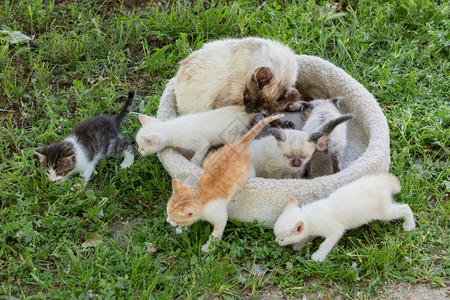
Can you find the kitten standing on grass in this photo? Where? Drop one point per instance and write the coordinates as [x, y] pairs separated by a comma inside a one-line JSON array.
[[86, 145], [195, 132], [224, 173], [257, 73], [355, 204]]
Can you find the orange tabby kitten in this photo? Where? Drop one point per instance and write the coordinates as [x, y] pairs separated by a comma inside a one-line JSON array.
[[224, 173]]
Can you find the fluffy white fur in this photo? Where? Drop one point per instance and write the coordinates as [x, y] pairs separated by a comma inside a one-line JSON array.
[[322, 112], [366, 199], [281, 154], [194, 131], [221, 69]]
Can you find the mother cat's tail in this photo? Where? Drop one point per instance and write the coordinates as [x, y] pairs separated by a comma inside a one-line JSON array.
[[253, 132]]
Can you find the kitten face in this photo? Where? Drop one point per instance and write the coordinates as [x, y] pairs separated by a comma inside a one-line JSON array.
[[289, 228], [57, 160], [181, 207], [297, 146], [149, 142], [266, 94]]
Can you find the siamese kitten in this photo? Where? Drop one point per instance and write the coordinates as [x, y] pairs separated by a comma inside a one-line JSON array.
[[194, 131], [357, 203], [282, 153], [316, 113], [224, 173], [289, 152], [86, 145], [257, 73]]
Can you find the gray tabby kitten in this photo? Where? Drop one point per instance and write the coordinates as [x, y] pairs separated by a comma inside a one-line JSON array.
[[86, 145]]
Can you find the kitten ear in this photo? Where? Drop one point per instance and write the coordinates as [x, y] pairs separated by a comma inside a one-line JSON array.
[[313, 137], [336, 101], [322, 143], [298, 228], [291, 204], [151, 140], [178, 186], [279, 135], [41, 151], [144, 119], [262, 76]]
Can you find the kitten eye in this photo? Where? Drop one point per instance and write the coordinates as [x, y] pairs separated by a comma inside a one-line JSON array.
[[59, 173], [303, 156], [289, 156]]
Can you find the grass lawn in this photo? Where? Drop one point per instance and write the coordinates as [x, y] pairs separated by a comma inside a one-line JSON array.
[[111, 240]]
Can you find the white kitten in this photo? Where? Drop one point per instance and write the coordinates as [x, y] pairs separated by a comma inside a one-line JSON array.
[[194, 131], [282, 153], [319, 112], [255, 72], [357, 203]]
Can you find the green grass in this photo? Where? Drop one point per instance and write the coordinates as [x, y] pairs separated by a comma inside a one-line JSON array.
[[56, 243]]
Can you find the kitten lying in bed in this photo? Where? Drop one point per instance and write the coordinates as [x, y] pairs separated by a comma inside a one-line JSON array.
[[257, 73], [86, 145], [224, 173], [316, 113], [195, 132], [357, 203]]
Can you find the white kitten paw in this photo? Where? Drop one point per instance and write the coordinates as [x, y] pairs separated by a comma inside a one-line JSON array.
[[206, 247], [75, 186], [318, 257], [128, 160], [125, 164], [409, 226]]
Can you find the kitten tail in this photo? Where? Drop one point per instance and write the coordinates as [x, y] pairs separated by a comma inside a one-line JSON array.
[[126, 108], [253, 132], [328, 127]]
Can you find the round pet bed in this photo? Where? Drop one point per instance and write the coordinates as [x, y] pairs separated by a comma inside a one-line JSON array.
[[367, 151]]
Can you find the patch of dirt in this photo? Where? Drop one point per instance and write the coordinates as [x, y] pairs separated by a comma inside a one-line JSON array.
[[401, 291], [420, 291]]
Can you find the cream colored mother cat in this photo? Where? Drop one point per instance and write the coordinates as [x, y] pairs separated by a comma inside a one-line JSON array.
[[254, 72]]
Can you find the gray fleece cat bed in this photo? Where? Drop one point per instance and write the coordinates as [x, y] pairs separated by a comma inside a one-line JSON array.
[[367, 151]]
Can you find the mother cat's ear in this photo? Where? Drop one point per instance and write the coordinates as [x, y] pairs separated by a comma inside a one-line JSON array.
[[144, 119], [262, 76]]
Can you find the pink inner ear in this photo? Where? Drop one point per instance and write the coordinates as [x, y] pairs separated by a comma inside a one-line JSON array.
[[299, 227]]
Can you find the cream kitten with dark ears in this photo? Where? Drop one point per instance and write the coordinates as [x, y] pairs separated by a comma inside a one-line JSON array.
[[224, 173], [86, 145], [282, 153], [257, 73], [195, 132], [355, 204]]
